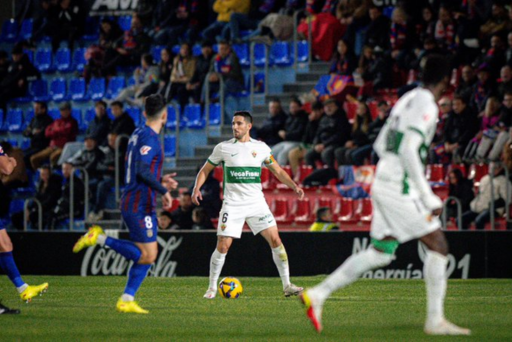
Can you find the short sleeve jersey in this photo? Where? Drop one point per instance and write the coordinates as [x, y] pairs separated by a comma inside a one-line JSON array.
[[1, 152], [144, 151], [242, 164], [415, 113]]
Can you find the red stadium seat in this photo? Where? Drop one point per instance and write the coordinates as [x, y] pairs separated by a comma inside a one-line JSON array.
[[374, 109], [175, 204], [280, 210], [435, 173], [266, 182], [303, 172], [461, 167], [351, 109], [218, 173], [477, 171], [322, 202], [348, 211], [302, 211], [279, 185], [366, 210]]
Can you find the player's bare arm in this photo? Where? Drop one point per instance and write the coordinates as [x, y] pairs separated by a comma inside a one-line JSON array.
[[285, 178], [200, 179], [7, 165], [169, 182]]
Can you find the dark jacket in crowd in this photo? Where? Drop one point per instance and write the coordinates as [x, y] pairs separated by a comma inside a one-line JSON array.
[[461, 128], [464, 192], [360, 137], [106, 166], [202, 69], [61, 210], [310, 132], [38, 141], [377, 33], [21, 70], [122, 125], [268, 132], [98, 129], [333, 130], [229, 67], [182, 218], [505, 119], [374, 129], [88, 159], [50, 195], [295, 126]]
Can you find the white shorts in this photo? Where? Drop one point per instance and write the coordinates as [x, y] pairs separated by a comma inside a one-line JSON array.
[[232, 218], [403, 217]]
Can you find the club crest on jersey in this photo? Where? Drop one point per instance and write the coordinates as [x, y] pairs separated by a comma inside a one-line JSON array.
[[223, 227], [145, 150], [254, 154]]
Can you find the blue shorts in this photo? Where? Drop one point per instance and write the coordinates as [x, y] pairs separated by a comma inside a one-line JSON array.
[[143, 228], [4, 222]]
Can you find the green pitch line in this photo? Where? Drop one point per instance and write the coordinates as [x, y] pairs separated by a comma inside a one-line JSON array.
[[79, 309]]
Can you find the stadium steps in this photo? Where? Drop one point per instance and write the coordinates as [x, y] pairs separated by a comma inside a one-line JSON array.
[[186, 175], [203, 151], [191, 161], [216, 140], [310, 76], [299, 87]]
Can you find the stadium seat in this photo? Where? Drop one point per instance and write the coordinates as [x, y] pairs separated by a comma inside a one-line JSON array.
[[135, 114], [323, 202], [76, 113], [29, 114], [175, 49], [288, 170], [125, 22], [89, 115], [303, 172], [366, 210], [96, 90], [477, 171], [43, 60], [9, 31], [346, 211], [435, 173], [461, 167], [192, 116], [156, 53], [92, 29], [16, 205], [77, 89], [175, 204], [172, 116], [242, 52], [265, 178], [218, 174], [280, 54], [280, 210], [30, 55], [215, 114], [58, 89], [79, 61], [302, 211], [13, 142], [26, 29], [170, 145], [259, 82], [115, 86], [14, 120], [38, 90], [25, 144], [196, 50], [302, 51], [350, 109], [54, 113], [374, 109], [62, 60], [260, 56]]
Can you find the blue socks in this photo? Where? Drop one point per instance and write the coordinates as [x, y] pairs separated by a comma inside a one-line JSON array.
[[9, 266], [125, 248], [136, 276]]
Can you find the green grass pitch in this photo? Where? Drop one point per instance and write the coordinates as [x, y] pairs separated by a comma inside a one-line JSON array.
[[78, 309]]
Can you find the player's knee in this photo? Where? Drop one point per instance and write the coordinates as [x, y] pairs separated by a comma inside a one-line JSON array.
[[275, 241], [222, 248], [6, 246], [147, 258], [381, 259]]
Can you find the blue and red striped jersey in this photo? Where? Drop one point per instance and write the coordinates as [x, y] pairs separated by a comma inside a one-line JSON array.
[[144, 154]]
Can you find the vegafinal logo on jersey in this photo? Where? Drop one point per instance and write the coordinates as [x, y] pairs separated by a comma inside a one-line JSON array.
[[243, 174]]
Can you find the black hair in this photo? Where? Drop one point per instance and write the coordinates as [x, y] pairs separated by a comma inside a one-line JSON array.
[[223, 42], [317, 105], [247, 116], [46, 167], [43, 105], [147, 58], [296, 100], [100, 103], [154, 105], [462, 98], [382, 103], [321, 212], [166, 213], [206, 43], [275, 99], [6, 146], [435, 70], [117, 103]]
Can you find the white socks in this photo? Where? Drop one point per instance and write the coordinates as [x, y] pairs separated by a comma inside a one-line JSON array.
[[101, 239], [350, 271], [434, 271], [127, 298], [216, 263], [22, 288], [281, 260]]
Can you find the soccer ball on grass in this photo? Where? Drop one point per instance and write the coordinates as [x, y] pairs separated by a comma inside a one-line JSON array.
[[230, 288]]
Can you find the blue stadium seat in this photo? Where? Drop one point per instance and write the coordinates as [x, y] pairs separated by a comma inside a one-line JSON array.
[[2, 126], [135, 114], [125, 22], [259, 55], [196, 50], [29, 114], [77, 114], [259, 82], [89, 115], [242, 52], [43, 60], [280, 54], [14, 120], [38, 90], [215, 114], [9, 31], [77, 89], [176, 49], [63, 60], [171, 117], [16, 205], [58, 89], [115, 85], [13, 142], [302, 51], [155, 52], [97, 88], [245, 33], [26, 29], [54, 113], [79, 61], [192, 116], [25, 144], [170, 146], [92, 29], [30, 55], [131, 81]]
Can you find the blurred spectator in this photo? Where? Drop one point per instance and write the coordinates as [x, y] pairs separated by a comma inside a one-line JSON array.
[[98, 128], [333, 131], [48, 193], [508, 52], [165, 70], [323, 222], [377, 34], [110, 33], [226, 65], [505, 81], [460, 188], [359, 136], [201, 219], [445, 107], [503, 126], [429, 48], [400, 37], [146, 82], [183, 215], [444, 31], [165, 221], [88, 158], [183, 69], [467, 82], [195, 85], [480, 206], [344, 61], [493, 58], [482, 89], [485, 138], [426, 27], [18, 177], [210, 191], [36, 131], [292, 132], [497, 22], [123, 122], [67, 23], [224, 8], [60, 132], [275, 122], [296, 155], [61, 211], [4, 64]]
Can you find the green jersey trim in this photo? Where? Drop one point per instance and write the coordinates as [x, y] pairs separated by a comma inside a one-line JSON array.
[[209, 161], [243, 174], [414, 129], [386, 246]]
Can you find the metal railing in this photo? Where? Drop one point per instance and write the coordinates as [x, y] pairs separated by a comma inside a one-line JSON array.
[[252, 70], [309, 19], [207, 100], [459, 212], [117, 166], [177, 133], [39, 213], [492, 210], [72, 195]]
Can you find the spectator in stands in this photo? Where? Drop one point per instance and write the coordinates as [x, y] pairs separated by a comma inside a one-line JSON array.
[[494, 57], [165, 70], [292, 132], [426, 27], [444, 31], [128, 50], [485, 138], [18, 178], [61, 210], [323, 222], [482, 89], [165, 221], [497, 22], [201, 219], [468, 80], [67, 23], [508, 52], [224, 8], [333, 131], [183, 215], [242, 21], [4, 64], [377, 34], [480, 206], [15, 82], [60, 132], [210, 191], [344, 61], [48, 193], [203, 62], [461, 188], [110, 33], [359, 136], [36, 131], [296, 155], [147, 80], [226, 65], [503, 126], [123, 122], [275, 122], [429, 48], [445, 107], [99, 126], [400, 37], [182, 71], [88, 158], [505, 81]]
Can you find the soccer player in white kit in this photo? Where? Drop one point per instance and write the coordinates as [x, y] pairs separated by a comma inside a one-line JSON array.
[[242, 159], [405, 207]]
